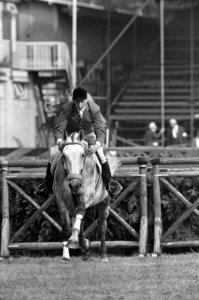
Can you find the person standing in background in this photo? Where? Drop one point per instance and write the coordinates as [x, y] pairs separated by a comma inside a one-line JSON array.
[[195, 142], [152, 136], [176, 134]]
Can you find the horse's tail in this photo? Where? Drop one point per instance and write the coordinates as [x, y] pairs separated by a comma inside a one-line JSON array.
[[114, 163]]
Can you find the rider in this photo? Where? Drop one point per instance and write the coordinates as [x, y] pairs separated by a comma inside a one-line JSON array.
[[82, 113]]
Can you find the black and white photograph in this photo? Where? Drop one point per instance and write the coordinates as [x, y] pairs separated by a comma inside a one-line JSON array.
[[99, 149]]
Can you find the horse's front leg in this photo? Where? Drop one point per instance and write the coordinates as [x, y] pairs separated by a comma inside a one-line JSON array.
[[66, 232], [73, 241], [103, 209], [66, 227]]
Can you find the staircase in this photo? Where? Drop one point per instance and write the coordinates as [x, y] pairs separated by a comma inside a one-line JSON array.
[[141, 101], [50, 90]]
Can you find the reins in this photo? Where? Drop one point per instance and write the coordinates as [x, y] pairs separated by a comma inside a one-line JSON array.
[[61, 148]]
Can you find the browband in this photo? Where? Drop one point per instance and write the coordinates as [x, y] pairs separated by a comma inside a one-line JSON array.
[[61, 148]]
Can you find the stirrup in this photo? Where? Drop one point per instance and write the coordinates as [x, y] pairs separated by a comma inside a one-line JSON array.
[[115, 187]]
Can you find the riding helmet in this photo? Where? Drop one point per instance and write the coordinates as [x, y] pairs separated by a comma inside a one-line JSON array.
[[79, 94]]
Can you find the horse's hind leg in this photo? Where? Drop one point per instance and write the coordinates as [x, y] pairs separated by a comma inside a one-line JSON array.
[[84, 243], [103, 209]]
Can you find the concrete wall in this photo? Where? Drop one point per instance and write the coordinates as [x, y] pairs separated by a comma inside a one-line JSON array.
[[17, 118]]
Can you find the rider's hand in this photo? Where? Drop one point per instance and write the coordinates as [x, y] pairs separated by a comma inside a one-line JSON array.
[[94, 148], [59, 143]]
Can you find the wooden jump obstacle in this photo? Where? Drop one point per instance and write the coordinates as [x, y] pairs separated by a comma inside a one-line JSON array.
[[132, 167], [135, 168], [159, 175]]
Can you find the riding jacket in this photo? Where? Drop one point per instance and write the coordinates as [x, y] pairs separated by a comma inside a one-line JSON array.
[[70, 121]]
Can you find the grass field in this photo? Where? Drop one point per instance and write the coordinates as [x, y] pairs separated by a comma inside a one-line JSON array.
[[167, 277]]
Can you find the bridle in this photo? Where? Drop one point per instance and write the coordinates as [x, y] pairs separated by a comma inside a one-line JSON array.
[[86, 153], [64, 144], [61, 148]]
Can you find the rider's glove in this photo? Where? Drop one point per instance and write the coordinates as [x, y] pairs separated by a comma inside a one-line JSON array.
[[94, 148], [59, 143]]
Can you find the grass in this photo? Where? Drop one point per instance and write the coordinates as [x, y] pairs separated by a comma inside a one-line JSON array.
[[167, 277]]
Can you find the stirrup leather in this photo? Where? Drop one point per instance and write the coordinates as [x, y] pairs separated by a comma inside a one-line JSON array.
[[115, 187]]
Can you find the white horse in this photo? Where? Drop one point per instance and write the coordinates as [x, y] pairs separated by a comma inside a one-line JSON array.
[[78, 185]]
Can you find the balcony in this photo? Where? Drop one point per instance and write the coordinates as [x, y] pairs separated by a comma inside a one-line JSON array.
[[35, 56]]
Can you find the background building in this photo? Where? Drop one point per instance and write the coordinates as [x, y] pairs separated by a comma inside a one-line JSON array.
[[119, 52]]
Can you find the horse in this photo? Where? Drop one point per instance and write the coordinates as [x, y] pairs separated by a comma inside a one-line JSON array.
[[77, 186]]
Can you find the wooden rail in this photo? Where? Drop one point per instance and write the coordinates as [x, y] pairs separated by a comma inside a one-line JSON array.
[[152, 152], [135, 168], [131, 150]]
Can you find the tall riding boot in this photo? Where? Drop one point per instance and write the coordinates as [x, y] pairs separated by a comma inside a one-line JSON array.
[[112, 186], [106, 174], [46, 187], [49, 178]]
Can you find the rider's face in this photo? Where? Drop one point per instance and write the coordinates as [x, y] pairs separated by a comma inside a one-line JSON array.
[[80, 104]]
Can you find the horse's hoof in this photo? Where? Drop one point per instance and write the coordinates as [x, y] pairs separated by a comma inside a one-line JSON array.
[[64, 260], [86, 256], [73, 244], [104, 259], [87, 244]]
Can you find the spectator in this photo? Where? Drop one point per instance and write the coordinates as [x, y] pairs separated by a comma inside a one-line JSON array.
[[176, 134], [195, 142], [152, 136]]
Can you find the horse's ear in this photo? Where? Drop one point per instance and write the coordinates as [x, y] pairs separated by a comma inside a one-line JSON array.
[[81, 134]]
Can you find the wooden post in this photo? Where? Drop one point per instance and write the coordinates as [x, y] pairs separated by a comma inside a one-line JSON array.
[[5, 227], [157, 207], [142, 161]]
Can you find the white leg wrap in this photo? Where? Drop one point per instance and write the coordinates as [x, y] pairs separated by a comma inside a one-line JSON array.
[[65, 251], [77, 222]]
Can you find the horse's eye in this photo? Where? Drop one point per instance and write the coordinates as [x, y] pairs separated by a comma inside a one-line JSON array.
[[83, 155]]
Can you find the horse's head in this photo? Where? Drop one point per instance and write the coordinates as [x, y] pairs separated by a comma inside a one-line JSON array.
[[73, 158]]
